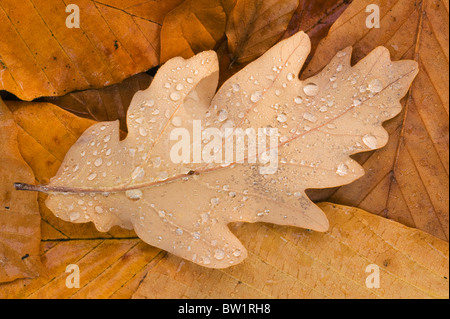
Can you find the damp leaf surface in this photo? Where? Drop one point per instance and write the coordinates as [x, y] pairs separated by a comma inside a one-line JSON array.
[[184, 208]]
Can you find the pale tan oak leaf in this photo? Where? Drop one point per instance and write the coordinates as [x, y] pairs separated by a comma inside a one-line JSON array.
[[185, 208]]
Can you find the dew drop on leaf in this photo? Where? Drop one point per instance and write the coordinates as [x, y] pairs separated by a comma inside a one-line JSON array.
[[370, 141], [175, 96], [342, 170], [219, 254], [375, 86], [256, 96], [74, 216], [134, 194], [311, 89]]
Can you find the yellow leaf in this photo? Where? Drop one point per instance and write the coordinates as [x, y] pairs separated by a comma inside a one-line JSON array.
[[335, 264]]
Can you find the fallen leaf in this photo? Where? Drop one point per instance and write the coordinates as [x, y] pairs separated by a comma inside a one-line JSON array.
[[193, 27], [45, 134], [411, 263], [40, 56], [19, 212], [107, 104], [135, 183], [407, 181], [255, 26], [315, 18], [109, 268]]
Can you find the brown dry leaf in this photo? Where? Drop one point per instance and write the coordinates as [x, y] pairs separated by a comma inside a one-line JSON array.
[[135, 183], [43, 147], [109, 268], [194, 26], [412, 263], [315, 18], [107, 104], [407, 181], [19, 212], [40, 56], [256, 25]]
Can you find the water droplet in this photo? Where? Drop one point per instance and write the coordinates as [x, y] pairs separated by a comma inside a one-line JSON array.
[[223, 115], [179, 231], [232, 194], [138, 173], [76, 168], [310, 117], [219, 254], [290, 76], [107, 138], [236, 87], [214, 201], [161, 213], [333, 78], [375, 86], [282, 118], [256, 96], [175, 96], [98, 209], [156, 162], [237, 253], [298, 100], [357, 102], [206, 260], [342, 170], [311, 89], [323, 109], [92, 176], [163, 176], [339, 68], [176, 121], [370, 141], [148, 103], [74, 216], [98, 162], [180, 87], [108, 152], [134, 194], [196, 235], [143, 131], [190, 80]]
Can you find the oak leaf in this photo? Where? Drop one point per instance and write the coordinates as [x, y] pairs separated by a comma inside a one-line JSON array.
[[407, 181], [185, 209]]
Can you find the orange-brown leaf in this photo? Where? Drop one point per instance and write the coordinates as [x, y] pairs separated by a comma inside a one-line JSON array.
[[107, 104], [19, 212], [256, 25], [192, 27], [40, 56]]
